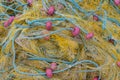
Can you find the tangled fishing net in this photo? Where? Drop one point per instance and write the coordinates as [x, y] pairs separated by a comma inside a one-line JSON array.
[[60, 39]]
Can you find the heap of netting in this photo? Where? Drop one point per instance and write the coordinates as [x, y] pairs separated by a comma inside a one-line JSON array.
[[28, 48]]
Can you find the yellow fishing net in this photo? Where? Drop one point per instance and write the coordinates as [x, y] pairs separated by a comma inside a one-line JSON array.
[[25, 53]]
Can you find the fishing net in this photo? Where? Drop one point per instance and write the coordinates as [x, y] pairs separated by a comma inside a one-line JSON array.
[[83, 39]]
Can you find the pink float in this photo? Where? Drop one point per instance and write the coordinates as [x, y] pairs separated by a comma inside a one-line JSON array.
[[76, 31], [49, 25], [51, 10], [53, 66], [89, 35], [49, 73]]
